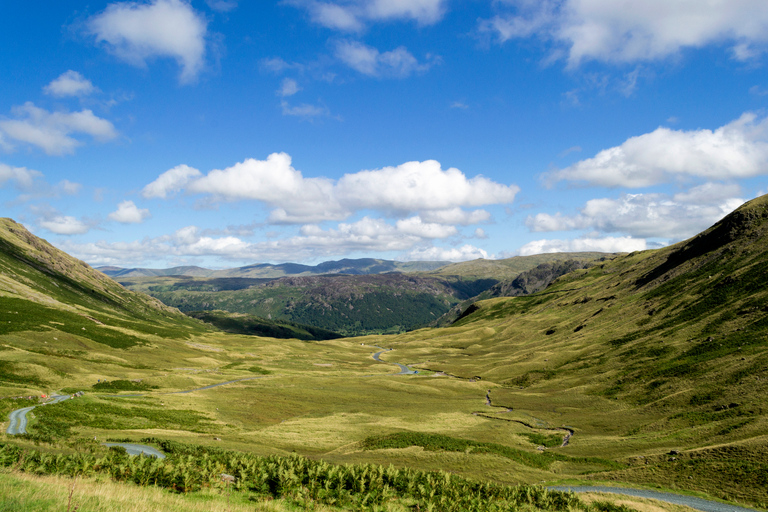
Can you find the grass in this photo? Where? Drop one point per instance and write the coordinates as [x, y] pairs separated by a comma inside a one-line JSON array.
[[612, 353]]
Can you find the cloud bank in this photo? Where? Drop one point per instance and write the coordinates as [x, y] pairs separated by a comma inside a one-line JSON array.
[[737, 150], [628, 32]]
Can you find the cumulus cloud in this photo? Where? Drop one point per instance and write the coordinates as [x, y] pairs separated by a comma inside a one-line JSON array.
[[647, 215], [64, 225], [438, 195], [365, 235], [463, 253], [304, 110], [420, 186], [456, 216], [68, 187], [21, 177], [275, 182], [170, 182], [398, 63], [620, 32], [607, 244], [289, 87], [128, 213], [353, 15], [137, 32], [417, 227], [70, 83], [52, 131], [736, 150]]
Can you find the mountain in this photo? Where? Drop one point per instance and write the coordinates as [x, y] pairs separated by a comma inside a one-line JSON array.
[[361, 266], [344, 303], [663, 352], [59, 292], [526, 283], [352, 297]]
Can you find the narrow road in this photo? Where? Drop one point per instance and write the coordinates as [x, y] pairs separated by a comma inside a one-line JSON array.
[[138, 449], [676, 499], [404, 370], [18, 418], [18, 423]]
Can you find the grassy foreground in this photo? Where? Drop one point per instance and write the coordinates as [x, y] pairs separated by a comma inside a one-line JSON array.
[[300, 482]]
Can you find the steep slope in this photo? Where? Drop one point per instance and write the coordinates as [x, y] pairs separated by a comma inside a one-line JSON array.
[[527, 282], [659, 351], [51, 303], [509, 268], [650, 323]]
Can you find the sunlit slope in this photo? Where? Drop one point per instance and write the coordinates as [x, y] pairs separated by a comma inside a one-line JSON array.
[[41, 279], [680, 329], [60, 319]]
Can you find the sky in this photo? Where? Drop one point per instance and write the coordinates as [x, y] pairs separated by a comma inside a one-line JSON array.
[[221, 133]]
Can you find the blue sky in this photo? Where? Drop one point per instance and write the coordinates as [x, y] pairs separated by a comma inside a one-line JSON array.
[[222, 132]]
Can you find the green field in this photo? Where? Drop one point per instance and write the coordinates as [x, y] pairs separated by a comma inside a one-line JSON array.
[[653, 365]]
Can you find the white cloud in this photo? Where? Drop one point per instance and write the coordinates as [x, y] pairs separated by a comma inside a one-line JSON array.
[[335, 16], [464, 253], [438, 196], [456, 216], [607, 244], [736, 150], [620, 32], [304, 110], [136, 32], [22, 177], [648, 215], [353, 15], [289, 87], [170, 182], [51, 131], [64, 225], [128, 213], [275, 182], [417, 227], [398, 63], [69, 188], [420, 186], [70, 83]]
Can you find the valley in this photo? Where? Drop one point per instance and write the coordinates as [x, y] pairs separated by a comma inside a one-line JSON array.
[[655, 361]]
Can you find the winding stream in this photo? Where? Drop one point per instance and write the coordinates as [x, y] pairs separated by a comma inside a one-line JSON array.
[[676, 499]]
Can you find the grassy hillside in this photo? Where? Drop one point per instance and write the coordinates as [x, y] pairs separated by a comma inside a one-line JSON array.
[[642, 355], [647, 369], [509, 268]]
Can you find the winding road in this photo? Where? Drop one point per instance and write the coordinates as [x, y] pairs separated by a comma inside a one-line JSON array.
[[676, 499], [18, 424], [404, 370], [138, 449]]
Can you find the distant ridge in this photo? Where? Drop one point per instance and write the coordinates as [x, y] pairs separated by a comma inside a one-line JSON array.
[[362, 266]]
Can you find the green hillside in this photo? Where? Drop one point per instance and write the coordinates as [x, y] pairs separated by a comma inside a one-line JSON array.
[[646, 369]]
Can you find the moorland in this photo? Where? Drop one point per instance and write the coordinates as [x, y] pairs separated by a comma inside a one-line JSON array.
[[646, 369]]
